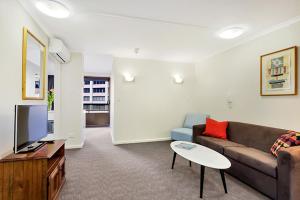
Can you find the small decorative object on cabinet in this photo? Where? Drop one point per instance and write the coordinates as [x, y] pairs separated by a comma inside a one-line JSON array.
[[37, 175], [278, 73]]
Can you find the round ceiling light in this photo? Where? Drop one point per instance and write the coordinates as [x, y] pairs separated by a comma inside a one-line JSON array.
[[232, 32], [53, 8]]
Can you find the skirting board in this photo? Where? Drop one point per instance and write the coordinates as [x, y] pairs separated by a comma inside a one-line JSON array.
[[141, 141]]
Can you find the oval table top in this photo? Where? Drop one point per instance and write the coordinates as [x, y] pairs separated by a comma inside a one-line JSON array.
[[202, 155]]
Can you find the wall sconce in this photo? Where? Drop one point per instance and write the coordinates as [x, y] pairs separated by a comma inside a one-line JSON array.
[[128, 77], [178, 79]]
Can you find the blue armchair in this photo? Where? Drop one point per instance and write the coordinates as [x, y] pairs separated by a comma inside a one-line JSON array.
[[186, 132]]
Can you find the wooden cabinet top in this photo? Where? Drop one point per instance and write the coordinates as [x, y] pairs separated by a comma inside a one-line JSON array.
[[44, 152]]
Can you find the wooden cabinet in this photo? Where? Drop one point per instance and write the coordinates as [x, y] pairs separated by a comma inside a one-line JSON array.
[[56, 179], [36, 175]]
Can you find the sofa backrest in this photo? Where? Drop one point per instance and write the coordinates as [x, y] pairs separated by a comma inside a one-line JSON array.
[[192, 119], [259, 137]]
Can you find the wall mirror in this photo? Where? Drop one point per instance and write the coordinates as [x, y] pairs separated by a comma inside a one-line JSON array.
[[33, 67]]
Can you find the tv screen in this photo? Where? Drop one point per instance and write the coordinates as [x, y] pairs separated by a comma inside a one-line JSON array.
[[30, 125]]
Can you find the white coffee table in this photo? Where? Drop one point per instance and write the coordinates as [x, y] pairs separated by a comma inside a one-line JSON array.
[[203, 156]]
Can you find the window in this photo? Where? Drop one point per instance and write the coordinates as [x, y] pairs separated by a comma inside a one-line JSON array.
[[99, 107], [98, 90], [101, 98], [99, 82], [86, 98], [95, 94], [50, 126], [86, 106], [86, 90]]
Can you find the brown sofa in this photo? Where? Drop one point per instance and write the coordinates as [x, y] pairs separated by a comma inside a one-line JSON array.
[[248, 149]]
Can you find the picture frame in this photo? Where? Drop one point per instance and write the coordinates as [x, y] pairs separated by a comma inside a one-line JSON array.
[[34, 58], [278, 72]]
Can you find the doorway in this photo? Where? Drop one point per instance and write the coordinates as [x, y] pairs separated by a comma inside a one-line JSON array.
[[96, 100]]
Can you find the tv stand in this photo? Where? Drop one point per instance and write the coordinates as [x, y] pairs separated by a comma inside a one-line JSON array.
[[35, 175]]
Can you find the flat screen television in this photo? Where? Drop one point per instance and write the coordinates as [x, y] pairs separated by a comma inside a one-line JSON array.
[[30, 126]]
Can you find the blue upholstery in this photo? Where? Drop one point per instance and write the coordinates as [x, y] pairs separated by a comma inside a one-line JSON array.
[[183, 134], [186, 133], [194, 119]]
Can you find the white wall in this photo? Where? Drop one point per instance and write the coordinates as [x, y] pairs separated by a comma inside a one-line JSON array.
[[71, 101], [98, 65], [54, 68], [12, 20], [150, 107], [235, 75]]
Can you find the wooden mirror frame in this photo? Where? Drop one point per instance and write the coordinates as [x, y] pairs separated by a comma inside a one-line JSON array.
[[26, 32]]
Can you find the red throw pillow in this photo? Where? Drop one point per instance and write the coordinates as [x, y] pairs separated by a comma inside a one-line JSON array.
[[216, 129]]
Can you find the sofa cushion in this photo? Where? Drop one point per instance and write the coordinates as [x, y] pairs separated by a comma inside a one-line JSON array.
[[215, 129], [194, 119], [215, 143], [251, 135], [254, 158], [183, 134]]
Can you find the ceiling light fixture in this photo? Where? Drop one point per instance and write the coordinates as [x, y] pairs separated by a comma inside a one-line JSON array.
[[232, 32], [53, 8]]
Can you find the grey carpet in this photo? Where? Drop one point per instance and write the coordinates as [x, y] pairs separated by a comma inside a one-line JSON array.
[[102, 171]]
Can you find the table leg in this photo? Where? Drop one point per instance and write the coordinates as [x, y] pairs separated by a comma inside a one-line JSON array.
[[174, 157], [202, 180], [223, 180], [190, 163]]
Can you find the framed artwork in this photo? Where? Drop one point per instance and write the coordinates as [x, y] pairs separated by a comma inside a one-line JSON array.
[[33, 67], [278, 73]]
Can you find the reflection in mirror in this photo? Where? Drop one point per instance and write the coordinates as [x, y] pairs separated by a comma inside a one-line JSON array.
[[33, 66]]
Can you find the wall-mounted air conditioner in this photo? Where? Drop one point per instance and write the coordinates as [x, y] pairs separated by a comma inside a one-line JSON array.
[[59, 51]]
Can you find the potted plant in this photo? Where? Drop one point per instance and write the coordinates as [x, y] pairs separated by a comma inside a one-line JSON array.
[[50, 98]]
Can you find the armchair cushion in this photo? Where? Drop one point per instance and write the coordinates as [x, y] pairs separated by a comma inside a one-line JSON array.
[[194, 119], [183, 134]]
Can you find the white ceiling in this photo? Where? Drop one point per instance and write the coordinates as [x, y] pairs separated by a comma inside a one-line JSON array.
[[174, 30]]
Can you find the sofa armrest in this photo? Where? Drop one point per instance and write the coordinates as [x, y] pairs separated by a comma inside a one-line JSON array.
[[288, 166], [198, 130]]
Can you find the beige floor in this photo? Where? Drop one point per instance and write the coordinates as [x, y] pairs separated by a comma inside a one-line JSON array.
[[102, 171]]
